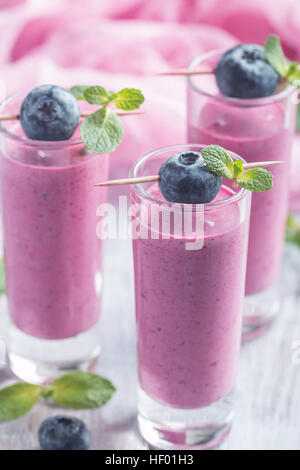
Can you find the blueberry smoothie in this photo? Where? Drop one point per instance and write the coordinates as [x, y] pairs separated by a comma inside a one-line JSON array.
[[189, 307], [246, 105], [51, 251], [52, 254], [262, 133]]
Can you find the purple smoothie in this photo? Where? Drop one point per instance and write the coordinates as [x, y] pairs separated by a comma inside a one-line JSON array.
[[52, 254], [258, 134], [189, 309]]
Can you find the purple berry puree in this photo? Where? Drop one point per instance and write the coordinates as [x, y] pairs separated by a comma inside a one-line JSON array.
[[189, 310], [257, 134], [52, 254]]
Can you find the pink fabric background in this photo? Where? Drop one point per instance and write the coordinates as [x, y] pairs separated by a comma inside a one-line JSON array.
[[121, 43]]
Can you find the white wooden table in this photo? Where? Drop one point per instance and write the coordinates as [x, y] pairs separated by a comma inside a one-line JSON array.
[[268, 388]]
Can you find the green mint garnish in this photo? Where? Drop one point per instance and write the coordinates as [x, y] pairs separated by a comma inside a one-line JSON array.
[[78, 91], [128, 99], [77, 390], [276, 58], [102, 131], [292, 233], [2, 276], [256, 180], [221, 163], [17, 400], [238, 168], [218, 160], [96, 95]]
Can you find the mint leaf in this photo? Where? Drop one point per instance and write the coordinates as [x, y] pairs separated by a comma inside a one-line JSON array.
[[292, 72], [2, 276], [78, 91], [292, 233], [238, 168], [96, 95], [102, 131], [275, 56], [256, 179], [80, 390], [128, 99], [17, 400], [218, 161]]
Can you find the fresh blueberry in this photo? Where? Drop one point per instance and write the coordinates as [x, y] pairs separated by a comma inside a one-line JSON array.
[[64, 433], [49, 113], [244, 72], [185, 178]]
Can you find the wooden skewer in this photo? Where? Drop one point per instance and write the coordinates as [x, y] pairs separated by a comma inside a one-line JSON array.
[[248, 166], [142, 179], [14, 117], [202, 71], [9, 117], [149, 179], [119, 113]]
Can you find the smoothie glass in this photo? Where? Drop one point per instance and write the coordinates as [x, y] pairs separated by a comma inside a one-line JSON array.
[[51, 251], [259, 130], [190, 265]]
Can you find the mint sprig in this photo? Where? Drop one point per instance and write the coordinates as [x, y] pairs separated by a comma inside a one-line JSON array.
[[102, 131], [221, 163], [78, 390], [276, 58]]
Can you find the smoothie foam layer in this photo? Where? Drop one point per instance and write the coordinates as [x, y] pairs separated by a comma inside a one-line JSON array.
[[189, 310]]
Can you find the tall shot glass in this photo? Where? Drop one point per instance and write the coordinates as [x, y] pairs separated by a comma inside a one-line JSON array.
[[51, 251], [190, 265], [259, 130]]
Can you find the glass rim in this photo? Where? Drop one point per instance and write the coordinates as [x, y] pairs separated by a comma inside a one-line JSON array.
[[240, 194], [41, 144], [242, 102]]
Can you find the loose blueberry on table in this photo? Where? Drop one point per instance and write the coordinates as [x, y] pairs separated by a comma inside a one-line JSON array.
[[64, 433]]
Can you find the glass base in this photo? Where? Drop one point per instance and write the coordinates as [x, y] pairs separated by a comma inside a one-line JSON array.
[[260, 310], [169, 428], [39, 361]]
